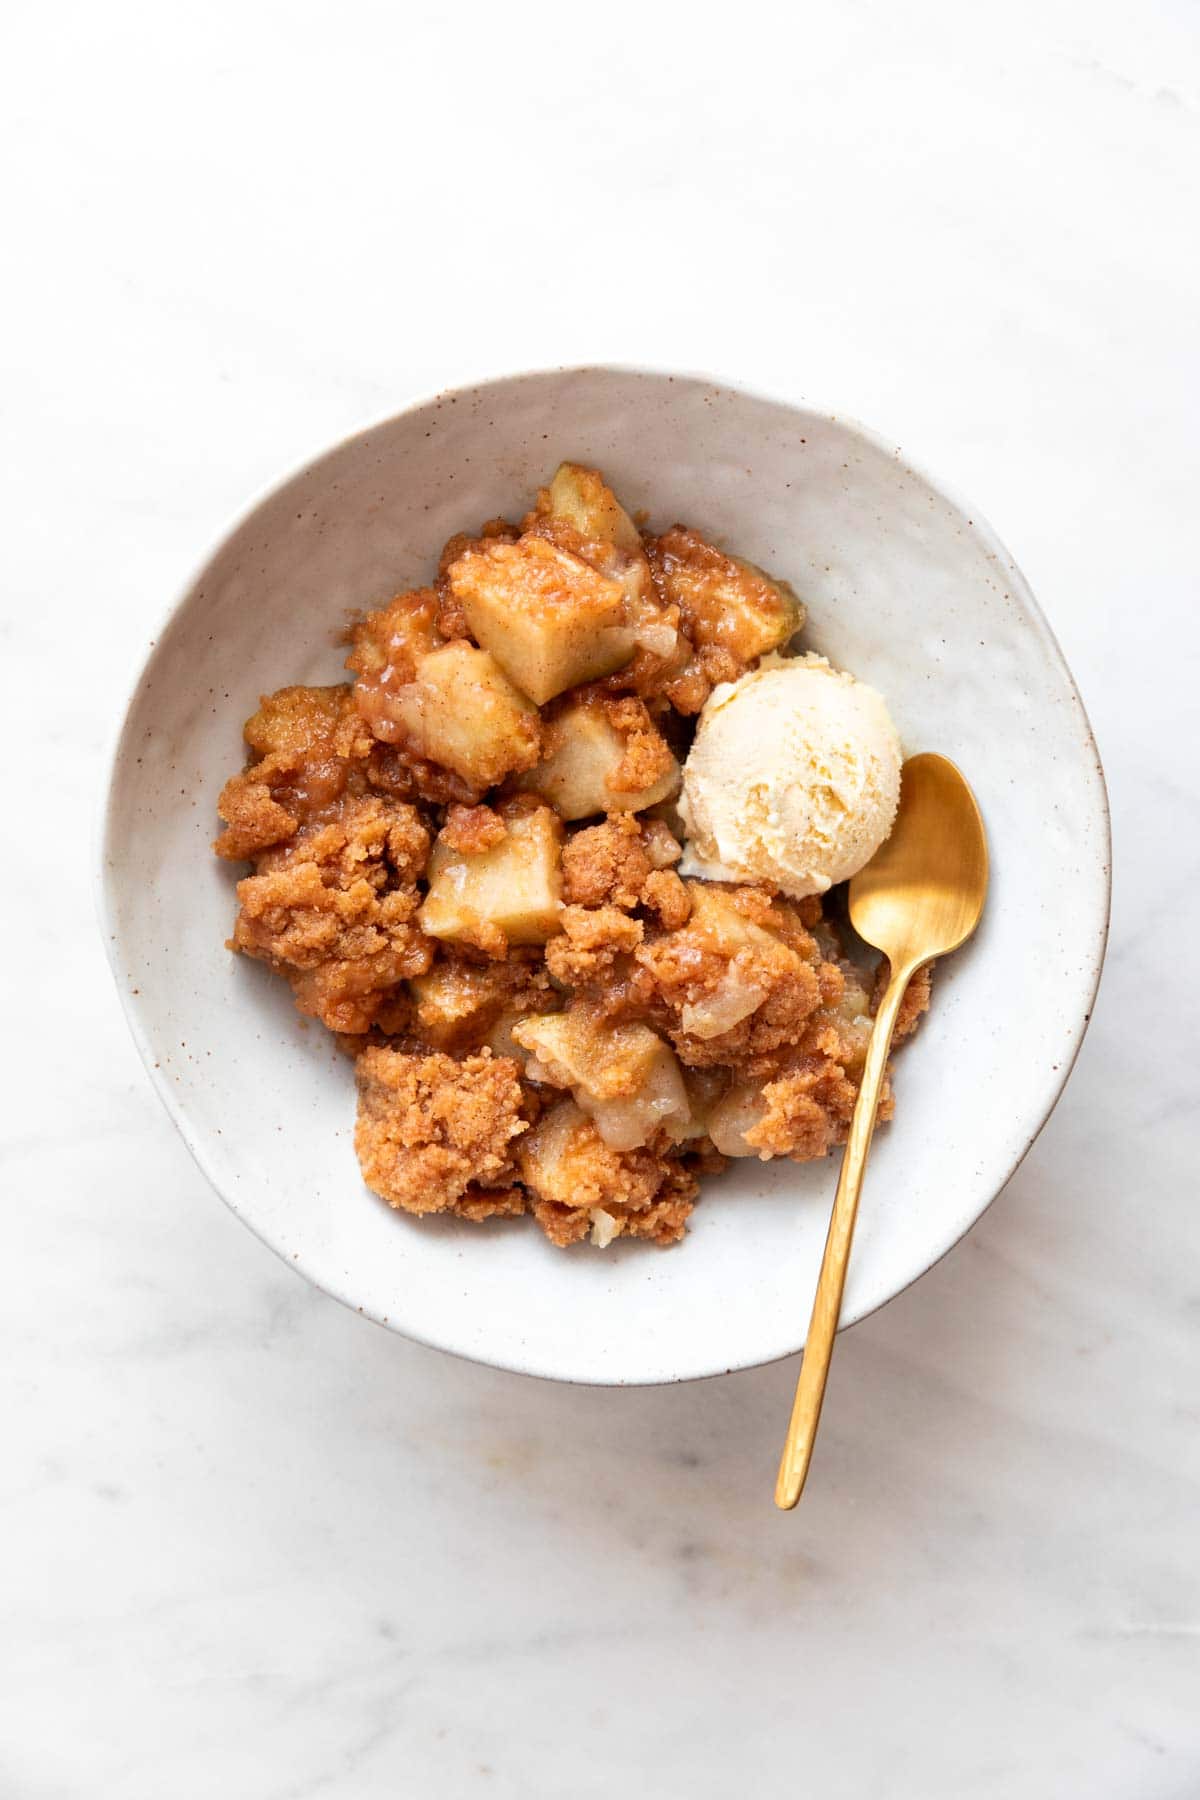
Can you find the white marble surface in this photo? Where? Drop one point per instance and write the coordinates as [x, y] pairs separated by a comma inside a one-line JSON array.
[[253, 1547]]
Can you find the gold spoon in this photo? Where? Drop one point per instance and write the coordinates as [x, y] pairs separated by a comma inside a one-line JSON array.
[[920, 896]]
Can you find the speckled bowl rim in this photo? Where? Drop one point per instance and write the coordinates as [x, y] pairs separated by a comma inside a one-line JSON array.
[[111, 764]]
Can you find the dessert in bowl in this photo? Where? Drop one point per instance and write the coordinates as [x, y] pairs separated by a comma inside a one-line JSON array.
[[465, 866], [902, 588]]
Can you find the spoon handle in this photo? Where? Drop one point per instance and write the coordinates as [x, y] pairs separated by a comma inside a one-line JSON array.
[[827, 1305]]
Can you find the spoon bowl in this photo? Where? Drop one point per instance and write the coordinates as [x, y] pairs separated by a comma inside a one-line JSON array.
[[922, 893]]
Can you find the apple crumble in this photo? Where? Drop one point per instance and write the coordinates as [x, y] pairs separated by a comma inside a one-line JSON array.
[[465, 861]]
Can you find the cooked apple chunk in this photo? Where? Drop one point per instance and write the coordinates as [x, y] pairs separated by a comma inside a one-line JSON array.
[[437, 701], [579, 512], [729, 980], [462, 711], [550, 620], [802, 1112], [460, 1005], [580, 1185], [565, 1161], [623, 1076], [459, 710], [738, 1111], [721, 922], [748, 961], [706, 1088], [583, 498], [455, 1003], [585, 766], [724, 601], [549, 1156], [507, 892], [388, 643]]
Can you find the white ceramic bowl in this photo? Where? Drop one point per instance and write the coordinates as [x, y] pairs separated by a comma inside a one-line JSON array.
[[905, 587]]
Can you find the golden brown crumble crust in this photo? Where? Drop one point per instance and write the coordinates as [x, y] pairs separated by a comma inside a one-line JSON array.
[[606, 864], [592, 940], [433, 1129]]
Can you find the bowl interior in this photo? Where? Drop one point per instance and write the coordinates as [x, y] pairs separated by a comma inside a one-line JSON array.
[[903, 588]]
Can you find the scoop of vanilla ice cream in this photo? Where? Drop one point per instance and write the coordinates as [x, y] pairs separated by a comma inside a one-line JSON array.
[[793, 778]]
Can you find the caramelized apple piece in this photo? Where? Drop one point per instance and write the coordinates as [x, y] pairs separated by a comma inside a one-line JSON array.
[[583, 498], [550, 620], [581, 767], [507, 893], [578, 1183], [736, 1113], [548, 1153], [623, 1076], [460, 1005], [724, 600], [437, 701], [456, 1002], [726, 928], [564, 1160], [461, 710], [499, 1036], [801, 1112], [730, 979], [387, 644], [705, 1089], [734, 997]]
